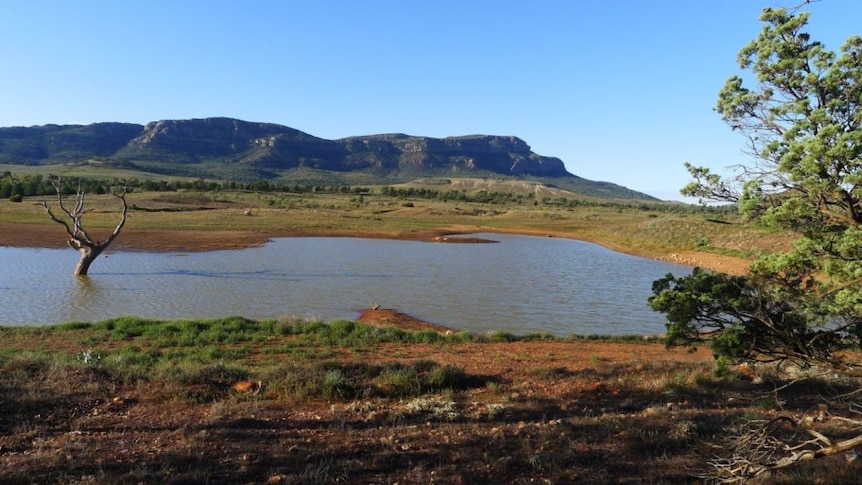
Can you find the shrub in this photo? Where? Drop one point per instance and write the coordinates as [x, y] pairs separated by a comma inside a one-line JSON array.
[[502, 337], [336, 385], [446, 377], [397, 382]]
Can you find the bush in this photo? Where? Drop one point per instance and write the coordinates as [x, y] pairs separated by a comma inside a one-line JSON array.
[[336, 385], [398, 382], [441, 378]]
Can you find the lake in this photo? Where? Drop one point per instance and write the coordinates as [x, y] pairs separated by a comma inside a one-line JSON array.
[[520, 284]]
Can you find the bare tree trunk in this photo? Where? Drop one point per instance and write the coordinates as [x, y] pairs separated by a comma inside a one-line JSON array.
[[88, 255], [79, 239]]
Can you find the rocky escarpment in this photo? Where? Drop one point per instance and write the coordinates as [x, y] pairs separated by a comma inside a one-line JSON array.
[[269, 146], [229, 140], [500, 154]]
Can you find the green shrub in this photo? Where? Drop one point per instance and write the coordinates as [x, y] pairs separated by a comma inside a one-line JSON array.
[[195, 382], [446, 377], [397, 382], [336, 385], [127, 328], [502, 337], [132, 356], [393, 334], [460, 337], [74, 326], [426, 337], [28, 363]]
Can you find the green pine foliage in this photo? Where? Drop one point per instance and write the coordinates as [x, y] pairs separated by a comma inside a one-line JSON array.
[[803, 120]]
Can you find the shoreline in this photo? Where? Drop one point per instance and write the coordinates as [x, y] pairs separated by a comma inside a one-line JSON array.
[[51, 237], [157, 240]]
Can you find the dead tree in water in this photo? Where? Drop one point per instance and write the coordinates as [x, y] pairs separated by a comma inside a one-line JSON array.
[[79, 238]]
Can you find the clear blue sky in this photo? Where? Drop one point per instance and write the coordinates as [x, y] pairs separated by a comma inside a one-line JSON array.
[[621, 91]]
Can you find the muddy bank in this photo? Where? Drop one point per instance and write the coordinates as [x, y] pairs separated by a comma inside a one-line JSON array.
[[388, 317], [51, 236]]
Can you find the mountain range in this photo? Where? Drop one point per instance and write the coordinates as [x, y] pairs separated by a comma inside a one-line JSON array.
[[229, 148]]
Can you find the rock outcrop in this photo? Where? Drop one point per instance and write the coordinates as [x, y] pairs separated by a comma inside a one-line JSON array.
[[270, 146]]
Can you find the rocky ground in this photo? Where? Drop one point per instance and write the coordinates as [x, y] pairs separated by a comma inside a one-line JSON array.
[[521, 412]]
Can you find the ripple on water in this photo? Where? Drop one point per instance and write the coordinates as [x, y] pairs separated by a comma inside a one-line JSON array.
[[523, 284]]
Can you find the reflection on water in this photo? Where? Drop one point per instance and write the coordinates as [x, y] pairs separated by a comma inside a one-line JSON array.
[[523, 284], [83, 292]]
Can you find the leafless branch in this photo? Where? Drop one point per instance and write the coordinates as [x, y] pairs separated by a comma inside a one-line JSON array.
[[79, 239], [801, 5], [122, 197], [759, 447]]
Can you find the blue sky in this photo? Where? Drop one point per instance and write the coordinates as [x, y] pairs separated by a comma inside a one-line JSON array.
[[621, 91]]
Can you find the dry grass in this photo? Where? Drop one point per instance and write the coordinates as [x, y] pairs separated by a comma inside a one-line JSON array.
[[687, 238], [135, 410]]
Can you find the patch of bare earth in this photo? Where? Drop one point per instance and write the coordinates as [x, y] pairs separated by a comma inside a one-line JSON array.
[[385, 317], [715, 262]]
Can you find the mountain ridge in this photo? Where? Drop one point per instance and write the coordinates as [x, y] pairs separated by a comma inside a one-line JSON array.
[[217, 146]]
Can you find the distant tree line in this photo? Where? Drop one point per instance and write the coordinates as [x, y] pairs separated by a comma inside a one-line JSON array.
[[12, 186], [664, 207], [492, 197], [16, 187], [37, 185], [483, 196]]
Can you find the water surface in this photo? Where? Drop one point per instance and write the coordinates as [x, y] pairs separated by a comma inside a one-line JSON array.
[[521, 284]]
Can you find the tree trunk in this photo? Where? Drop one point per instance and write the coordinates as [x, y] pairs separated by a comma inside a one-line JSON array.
[[88, 255]]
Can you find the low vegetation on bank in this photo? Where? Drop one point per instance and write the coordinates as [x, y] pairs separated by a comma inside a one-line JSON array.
[[288, 400]]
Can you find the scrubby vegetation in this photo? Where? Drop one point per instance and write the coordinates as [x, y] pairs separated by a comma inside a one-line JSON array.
[[19, 186], [288, 400]]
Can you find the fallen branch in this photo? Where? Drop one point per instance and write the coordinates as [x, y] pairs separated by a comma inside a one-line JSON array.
[[761, 447]]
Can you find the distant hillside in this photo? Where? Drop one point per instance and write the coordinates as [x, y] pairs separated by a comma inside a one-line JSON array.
[[227, 148]]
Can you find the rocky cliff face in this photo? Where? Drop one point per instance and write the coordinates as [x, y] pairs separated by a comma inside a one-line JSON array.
[[499, 154], [231, 141], [270, 146]]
